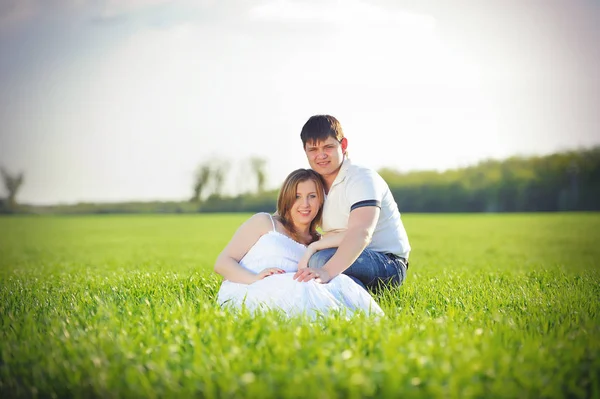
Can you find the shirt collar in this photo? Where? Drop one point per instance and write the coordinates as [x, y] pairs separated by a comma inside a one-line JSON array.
[[342, 173]]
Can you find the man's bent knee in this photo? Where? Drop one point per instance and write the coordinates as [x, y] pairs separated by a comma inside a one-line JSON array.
[[319, 258]]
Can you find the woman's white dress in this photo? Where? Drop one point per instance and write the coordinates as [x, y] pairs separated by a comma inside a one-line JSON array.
[[281, 291]]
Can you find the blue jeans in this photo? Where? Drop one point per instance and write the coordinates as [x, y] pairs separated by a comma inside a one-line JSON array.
[[370, 270]]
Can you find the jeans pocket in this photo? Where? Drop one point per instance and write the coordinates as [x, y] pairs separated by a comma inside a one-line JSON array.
[[397, 272], [401, 271]]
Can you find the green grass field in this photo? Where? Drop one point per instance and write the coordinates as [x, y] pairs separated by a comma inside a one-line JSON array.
[[124, 306]]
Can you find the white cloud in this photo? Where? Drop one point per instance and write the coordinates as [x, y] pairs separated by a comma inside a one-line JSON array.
[[18, 11], [340, 13], [15, 12]]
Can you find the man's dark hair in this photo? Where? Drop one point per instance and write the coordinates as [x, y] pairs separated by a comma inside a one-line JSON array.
[[319, 128]]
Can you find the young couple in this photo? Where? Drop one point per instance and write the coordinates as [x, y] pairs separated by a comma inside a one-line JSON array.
[[281, 262]]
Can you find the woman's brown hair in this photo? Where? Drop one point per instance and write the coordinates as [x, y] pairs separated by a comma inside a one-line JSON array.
[[287, 197]]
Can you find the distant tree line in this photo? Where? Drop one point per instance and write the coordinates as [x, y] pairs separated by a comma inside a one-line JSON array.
[[566, 181], [248, 202]]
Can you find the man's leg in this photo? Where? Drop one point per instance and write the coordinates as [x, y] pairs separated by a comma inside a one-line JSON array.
[[371, 268]]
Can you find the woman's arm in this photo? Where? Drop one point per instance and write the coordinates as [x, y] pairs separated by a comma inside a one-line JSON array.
[[227, 263], [329, 240]]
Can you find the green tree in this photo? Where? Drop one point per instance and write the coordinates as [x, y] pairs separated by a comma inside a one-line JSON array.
[[209, 179], [12, 184], [201, 181], [220, 168], [258, 166]]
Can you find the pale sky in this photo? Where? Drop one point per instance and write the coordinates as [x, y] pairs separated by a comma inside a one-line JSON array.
[[111, 100]]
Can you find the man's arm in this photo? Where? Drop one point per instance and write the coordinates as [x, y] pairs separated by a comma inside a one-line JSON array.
[[361, 225], [331, 239]]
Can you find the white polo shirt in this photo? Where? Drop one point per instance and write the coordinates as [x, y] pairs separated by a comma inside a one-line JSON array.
[[357, 186]]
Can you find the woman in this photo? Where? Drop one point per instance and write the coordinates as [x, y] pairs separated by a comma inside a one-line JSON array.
[[259, 262]]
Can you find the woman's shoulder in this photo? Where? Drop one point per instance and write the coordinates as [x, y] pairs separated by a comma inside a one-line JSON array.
[[261, 221]]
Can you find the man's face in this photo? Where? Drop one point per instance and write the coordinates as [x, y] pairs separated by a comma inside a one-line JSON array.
[[326, 157]]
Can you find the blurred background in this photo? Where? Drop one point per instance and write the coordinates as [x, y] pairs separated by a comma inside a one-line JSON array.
[[186, 106]]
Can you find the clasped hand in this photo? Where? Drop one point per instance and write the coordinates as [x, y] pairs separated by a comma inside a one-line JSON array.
[[306, 273], [310, 273], [302, 275]]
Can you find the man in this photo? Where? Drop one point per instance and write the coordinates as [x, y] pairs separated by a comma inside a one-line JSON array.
[[374, 248]]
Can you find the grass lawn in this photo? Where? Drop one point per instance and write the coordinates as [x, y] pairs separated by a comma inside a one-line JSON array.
[[124, 306]]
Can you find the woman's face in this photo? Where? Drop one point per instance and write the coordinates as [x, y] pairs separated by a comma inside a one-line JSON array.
[[307, 203]]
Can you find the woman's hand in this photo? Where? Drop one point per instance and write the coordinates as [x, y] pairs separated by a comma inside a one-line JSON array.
[[309, 273], [268, 272], [303, 263]]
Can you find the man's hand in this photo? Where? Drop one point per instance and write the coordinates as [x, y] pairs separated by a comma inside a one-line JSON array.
[[309, 273], [268, 272]]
